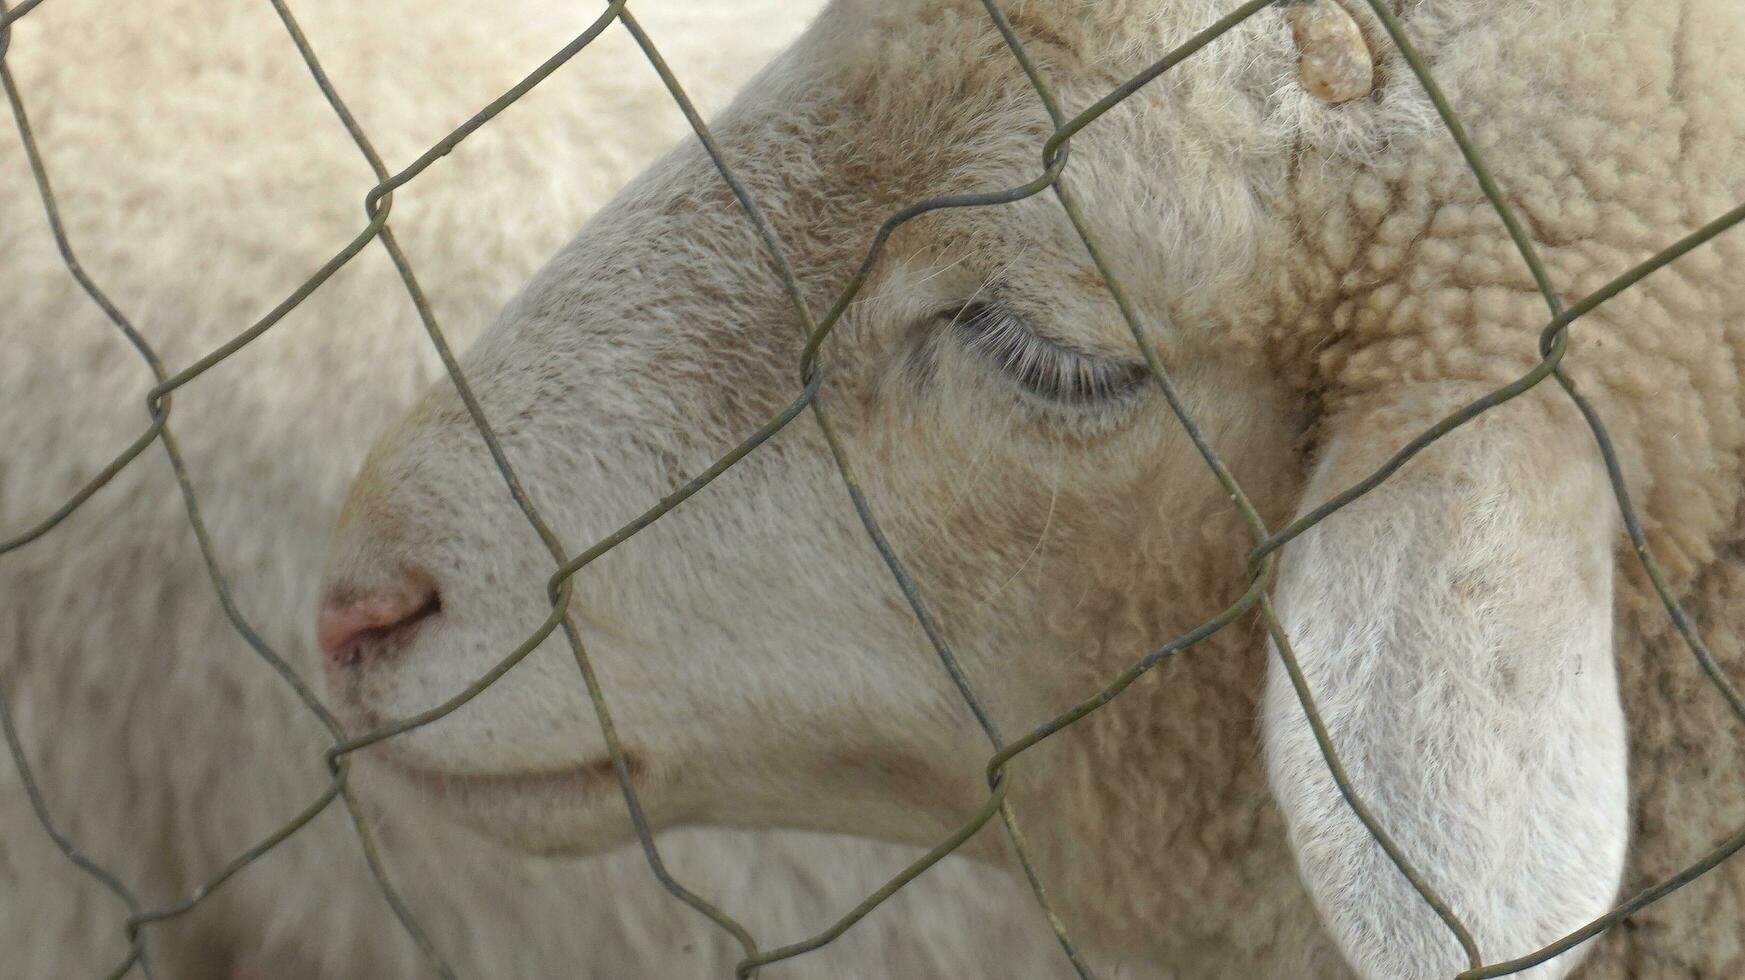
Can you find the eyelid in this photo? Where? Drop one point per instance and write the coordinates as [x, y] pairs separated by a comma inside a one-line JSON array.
[[1044, 367]]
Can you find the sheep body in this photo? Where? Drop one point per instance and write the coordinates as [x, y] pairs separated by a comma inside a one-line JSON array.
[[201, 178], [1325, 281]]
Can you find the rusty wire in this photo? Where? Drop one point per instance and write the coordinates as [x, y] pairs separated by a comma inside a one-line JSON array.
[[1050, 176]]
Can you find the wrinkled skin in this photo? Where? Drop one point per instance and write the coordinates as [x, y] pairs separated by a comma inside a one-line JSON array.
[[1321, 282]]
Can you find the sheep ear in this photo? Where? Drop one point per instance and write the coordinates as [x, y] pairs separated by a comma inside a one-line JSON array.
[[1455, 628]]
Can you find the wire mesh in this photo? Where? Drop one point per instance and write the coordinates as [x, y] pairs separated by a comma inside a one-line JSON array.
[[1055, 150]]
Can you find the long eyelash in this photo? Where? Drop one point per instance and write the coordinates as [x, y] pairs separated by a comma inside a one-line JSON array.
[[1045, 368]]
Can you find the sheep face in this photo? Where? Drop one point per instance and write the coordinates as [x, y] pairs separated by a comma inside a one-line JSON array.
[[760, 663]]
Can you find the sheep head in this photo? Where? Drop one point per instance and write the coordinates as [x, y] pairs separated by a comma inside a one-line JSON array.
[[761, 665], [989, 394]]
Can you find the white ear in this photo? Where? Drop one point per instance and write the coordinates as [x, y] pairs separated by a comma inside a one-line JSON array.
[[1455, 628]]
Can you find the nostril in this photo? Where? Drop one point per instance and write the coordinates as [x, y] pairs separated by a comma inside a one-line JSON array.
[[352, 624]]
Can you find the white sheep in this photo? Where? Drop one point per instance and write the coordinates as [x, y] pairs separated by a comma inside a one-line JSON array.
[[202, 177], [1303, 243]]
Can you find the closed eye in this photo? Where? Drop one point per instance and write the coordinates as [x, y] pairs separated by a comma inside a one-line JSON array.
[[1043, 367]]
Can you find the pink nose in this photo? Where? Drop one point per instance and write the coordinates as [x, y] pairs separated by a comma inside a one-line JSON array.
[[355, 625]]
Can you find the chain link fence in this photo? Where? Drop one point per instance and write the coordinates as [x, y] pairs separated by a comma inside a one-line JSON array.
[[378, 203]]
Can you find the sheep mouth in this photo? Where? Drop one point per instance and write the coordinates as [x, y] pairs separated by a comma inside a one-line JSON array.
[[585, 780]]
